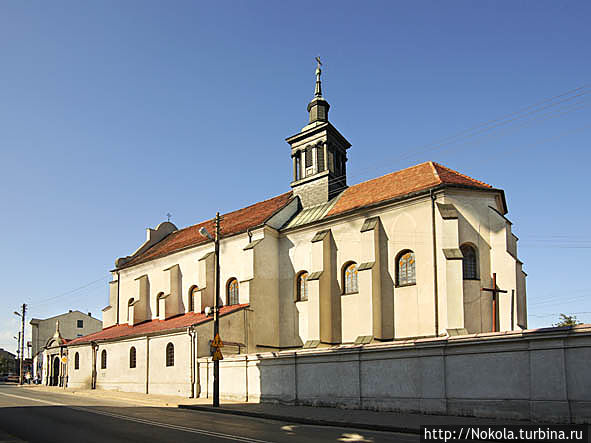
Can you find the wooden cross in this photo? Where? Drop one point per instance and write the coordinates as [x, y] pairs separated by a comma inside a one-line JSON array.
[[495, 290]]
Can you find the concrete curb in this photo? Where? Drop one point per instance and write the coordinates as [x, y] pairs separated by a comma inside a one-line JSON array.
[[304, 420]]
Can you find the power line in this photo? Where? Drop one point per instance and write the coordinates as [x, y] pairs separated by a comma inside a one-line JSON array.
[[71, 291], [487, 126]]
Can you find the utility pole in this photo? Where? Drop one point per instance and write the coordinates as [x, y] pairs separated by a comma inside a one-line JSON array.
[[216, 313], [22, 342], [216, 343]]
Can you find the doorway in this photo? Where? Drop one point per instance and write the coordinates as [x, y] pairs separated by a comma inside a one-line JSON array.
[[56, 372]]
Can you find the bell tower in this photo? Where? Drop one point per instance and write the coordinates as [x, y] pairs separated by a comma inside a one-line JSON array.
[[319, 154]]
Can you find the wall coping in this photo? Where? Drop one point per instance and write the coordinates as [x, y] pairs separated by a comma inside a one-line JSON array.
[[432, 343]]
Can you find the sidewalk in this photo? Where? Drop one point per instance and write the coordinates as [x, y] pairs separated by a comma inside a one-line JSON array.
[[350, 418], [323, 416], [127, 397]]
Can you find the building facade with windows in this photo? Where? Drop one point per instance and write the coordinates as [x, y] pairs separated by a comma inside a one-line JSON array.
[[73, 324], [400, 256]]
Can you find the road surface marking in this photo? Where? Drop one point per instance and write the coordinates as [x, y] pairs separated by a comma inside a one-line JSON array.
[[33, 399], [144, 421]]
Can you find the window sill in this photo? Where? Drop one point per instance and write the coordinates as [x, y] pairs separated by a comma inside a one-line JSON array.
[[405, 285], [300, 301], [350, 293], [472, 279]]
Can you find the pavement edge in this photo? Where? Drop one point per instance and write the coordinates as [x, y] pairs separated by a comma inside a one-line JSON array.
[[303, 420]]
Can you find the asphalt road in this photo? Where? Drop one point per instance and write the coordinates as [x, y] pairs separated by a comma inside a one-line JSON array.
[[38, 416]]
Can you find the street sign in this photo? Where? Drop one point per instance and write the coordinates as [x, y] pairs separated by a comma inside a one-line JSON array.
[[217, 355], [217, 342]]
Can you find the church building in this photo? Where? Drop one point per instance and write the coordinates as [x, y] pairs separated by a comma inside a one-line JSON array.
[[405, 255]]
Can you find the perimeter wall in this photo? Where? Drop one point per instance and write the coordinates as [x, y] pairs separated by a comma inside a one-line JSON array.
[[540, 375]]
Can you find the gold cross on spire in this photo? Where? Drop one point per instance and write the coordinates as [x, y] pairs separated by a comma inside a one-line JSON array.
[[318, 90]]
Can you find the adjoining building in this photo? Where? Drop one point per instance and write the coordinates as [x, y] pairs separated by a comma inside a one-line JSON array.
[[72, 324], [8, 362], [402, 256]]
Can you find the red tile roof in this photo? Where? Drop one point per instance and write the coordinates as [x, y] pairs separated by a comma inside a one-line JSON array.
[[397, 184], [233, 223], [148, 327]]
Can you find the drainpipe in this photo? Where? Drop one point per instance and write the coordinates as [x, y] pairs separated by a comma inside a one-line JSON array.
[[147, 364], [93, 376], [435, 289], [118, 285], [191, 332]]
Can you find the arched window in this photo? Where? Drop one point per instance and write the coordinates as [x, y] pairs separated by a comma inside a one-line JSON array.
[[192, 294], [129, 303], [469, 267], [350, 278], [104, 359], [132, 357], [76, 361], [170, 354], [302, 286], [405, 268], [158, 297], [232, 292]]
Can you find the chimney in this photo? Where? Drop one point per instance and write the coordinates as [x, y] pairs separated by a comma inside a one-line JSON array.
[[89, 314]]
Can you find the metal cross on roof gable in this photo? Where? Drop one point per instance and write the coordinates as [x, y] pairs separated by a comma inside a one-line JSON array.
[[495, 290]]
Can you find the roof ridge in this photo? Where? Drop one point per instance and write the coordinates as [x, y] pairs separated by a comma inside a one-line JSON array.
[[435, 172], [391, 173], [462, 175], [232, 212]]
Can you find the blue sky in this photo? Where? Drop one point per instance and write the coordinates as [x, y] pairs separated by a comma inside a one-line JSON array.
[[115, 113]]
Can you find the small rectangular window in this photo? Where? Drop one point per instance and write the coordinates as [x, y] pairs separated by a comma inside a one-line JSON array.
[[320, 158], [309, 159], [80, 323]]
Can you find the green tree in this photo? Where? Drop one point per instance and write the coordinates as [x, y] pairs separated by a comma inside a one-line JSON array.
[[567, 320]]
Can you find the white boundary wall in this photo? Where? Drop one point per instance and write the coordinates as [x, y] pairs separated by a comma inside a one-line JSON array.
[[540, 375]]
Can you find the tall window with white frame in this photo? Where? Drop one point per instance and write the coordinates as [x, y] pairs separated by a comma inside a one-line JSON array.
[[193, 292], [158, 298], [406, 268], [350, 275], [104, 359], [132, 357], [170, 354], [76, 361], [129, 305], [469, 262], [302, 286], [232, 292]]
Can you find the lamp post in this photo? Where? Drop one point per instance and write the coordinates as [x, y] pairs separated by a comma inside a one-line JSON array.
[[18, 346], [216, 311]]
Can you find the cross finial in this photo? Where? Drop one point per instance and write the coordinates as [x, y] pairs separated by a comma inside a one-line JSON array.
[[318, 90], [168, 215], [319, 63]]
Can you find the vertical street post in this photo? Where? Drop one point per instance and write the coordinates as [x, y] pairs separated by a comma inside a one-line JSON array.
[[21, 343], [216, 343], [216, 314]]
